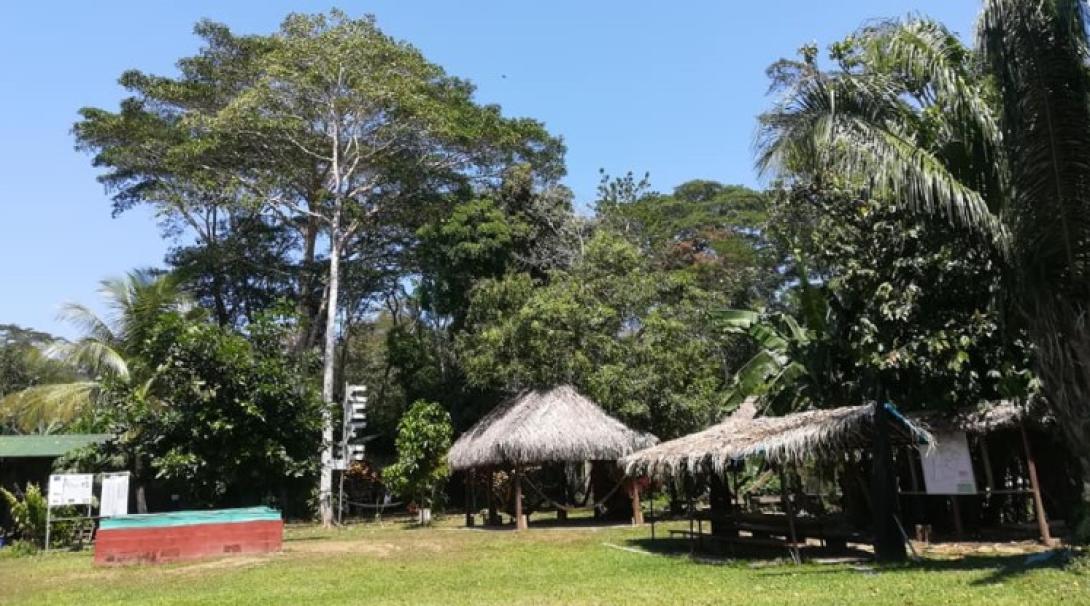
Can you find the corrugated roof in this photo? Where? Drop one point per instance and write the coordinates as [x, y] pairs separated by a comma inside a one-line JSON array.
[[25, 447]]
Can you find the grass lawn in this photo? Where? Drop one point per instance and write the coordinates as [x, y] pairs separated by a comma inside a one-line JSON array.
[[394, 564]]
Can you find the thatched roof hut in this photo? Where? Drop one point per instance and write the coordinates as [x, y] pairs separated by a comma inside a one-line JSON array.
[[790, 438], [986, 418], [538, 426]]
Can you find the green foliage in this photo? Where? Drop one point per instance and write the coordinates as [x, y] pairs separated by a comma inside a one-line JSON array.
[[28, 514], [424, 436], [518, 227], [227, 420], [634, 338], [23, 365], [712, 231], [879, 300], [108, 350]]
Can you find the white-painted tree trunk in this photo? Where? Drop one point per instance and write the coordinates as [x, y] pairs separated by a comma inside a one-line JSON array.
[[325, 484]]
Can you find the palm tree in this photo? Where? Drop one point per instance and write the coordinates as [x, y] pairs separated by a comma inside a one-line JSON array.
[[108, 350], [996, 139]]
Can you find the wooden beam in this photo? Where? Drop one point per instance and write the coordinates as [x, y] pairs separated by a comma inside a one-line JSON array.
[[989, 476], [493, 512], [789, 509], [469, 498], [955, 509], [637, 510], [1038, 504], [520, 520]]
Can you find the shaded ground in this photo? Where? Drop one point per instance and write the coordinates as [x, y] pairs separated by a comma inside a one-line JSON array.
[[392, 564]]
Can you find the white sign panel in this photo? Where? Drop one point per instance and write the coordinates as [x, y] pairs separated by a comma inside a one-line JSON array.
[[947, 466], [115, 495], [70, 489]]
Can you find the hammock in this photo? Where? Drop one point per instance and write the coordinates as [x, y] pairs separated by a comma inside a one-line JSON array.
[[595, 505]]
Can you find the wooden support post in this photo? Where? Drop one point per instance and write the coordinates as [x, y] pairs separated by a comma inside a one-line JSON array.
[[637, 509], [889, 545], [520, 520], [789, 509], [1038, 504], [469, 498], [989, 476], [493, 513], [959, 530], [692, 526], [651, 504]]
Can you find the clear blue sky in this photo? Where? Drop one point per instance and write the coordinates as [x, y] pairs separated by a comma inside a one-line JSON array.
[[671, 88]]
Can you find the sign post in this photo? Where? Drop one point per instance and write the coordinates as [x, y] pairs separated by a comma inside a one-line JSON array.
[[114, 501], [67, 489], [355, 420]]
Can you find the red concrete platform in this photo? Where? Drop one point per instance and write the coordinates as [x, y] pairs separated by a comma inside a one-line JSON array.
[[189, 541]]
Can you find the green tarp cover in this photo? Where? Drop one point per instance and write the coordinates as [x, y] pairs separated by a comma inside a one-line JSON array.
[[191, 518], [49, 446]]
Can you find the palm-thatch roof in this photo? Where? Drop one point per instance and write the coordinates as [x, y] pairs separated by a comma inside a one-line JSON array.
[[790, 438], [985, 418], [543, 425]]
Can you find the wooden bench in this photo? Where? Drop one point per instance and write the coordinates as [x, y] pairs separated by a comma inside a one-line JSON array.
[[831, 531], [739, 541]]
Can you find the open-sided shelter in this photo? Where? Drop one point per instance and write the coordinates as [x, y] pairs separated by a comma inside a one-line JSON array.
[[788, 439], [544, 426], [1010, 444], [780, 441]]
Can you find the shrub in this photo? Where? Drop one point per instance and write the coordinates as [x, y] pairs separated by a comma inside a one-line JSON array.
[[27, 514], [423, 438]]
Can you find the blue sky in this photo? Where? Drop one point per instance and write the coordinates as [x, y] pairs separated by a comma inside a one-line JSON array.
[[670, 88]]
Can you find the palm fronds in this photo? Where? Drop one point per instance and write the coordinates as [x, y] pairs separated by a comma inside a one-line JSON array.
[[43, 407]]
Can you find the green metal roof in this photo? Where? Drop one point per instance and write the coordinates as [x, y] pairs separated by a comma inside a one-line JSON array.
[[25, 447]]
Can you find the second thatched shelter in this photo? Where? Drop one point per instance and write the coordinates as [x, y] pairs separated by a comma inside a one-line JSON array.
[[789, 438], [544, 426]]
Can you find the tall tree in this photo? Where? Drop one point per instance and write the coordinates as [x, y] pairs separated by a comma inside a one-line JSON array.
[[328, 128], [384, 126], [996, 144]]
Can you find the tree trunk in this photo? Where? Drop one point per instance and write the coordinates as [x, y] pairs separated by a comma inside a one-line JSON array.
[[308, 310], [325, 483], [1063, 338], [141, 493]]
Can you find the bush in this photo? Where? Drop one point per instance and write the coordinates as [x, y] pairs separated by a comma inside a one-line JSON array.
[[28, 514], [423, 438]]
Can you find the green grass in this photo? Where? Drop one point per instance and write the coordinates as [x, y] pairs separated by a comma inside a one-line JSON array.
[[394, 564]]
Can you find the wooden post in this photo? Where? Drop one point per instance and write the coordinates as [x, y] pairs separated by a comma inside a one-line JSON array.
[[520, 520], [469, 498], [989, 476], [789, 509], [1038, 504], [637, 511], [651, 504], [959, 530], [493, 513], [889, 545]]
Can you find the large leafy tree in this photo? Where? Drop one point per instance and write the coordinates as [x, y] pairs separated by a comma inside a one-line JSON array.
[[713, 231], [635, 339], [329, 127], [879, 298], [993, 139], [229, 420]]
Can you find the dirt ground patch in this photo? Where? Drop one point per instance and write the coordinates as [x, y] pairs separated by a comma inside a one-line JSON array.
[[361, 546], [959, 549]]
